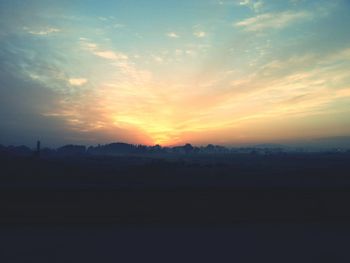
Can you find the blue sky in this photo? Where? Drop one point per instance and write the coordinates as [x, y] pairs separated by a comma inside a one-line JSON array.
[[170, 72]]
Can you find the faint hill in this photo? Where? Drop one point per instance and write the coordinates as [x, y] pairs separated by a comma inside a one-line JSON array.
[[112, 148], [72, 150], [17, 150], [270, 146], [342, 142], [334, 143]]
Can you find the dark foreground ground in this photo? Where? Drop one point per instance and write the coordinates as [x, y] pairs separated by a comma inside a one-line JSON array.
[[243, 208]]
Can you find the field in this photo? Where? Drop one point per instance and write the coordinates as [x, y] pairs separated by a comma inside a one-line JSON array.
[[180, 190]]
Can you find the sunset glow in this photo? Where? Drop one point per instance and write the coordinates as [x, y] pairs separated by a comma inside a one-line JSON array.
[[171, 72]]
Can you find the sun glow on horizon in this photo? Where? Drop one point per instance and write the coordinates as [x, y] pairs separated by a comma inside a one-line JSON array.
[[226, 72]]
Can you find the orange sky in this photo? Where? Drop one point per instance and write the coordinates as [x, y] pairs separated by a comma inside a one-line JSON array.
[[224, 72]]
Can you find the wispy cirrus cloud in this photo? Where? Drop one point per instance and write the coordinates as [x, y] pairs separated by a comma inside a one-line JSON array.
[[110, 55], [273, 20], [118, 25], [43, 31], [255, 5], [172, 35], [204, 83], [77, 81], [106, 54], [200, 34]]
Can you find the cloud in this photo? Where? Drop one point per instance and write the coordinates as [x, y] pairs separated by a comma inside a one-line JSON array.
[[200, 34], [144, 96], [158, 59], [111, 55], [77, 81], [22, 101], [91, 46], [118, 25], [244, 2], [179, 52], [172, 35], [256, 6], [42, 32], [287, 89], [272, 20], [107, 54]]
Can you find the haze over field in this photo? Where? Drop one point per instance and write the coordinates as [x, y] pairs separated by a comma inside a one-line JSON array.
[[170, 72]]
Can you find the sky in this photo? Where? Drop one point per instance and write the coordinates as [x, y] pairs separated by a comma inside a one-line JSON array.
[[163, 72]]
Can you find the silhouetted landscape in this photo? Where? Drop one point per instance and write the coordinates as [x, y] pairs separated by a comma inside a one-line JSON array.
[[127, 184], [137, 197], [174, 131], [213, 196]]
